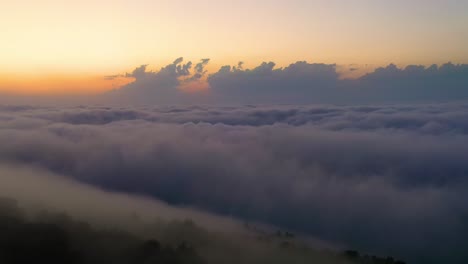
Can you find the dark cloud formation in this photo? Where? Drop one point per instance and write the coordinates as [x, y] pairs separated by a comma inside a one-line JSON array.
[[300, 82], [264, 83], [385, 179], [160, 86], [416, 82]]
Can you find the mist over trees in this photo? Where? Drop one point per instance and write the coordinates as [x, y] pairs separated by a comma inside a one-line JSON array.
[[56, 238]]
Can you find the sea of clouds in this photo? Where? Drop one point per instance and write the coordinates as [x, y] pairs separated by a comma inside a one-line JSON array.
[[386, 179]]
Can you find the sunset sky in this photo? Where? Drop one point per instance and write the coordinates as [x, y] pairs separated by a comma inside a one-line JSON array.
[[69, 46], [234, 131]]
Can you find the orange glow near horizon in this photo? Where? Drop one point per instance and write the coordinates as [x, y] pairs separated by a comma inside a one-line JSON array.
[[87, 83], [59, 84], [55, 46]]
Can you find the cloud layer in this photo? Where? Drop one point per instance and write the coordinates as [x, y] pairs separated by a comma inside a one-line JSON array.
[[300, 82], [303, 82], [386, 179], [159, 86]]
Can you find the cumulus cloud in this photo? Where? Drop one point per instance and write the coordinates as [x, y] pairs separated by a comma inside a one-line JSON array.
[[159, 86], [387, 179], [199, 70], [264, 83], [302, 82], [416, 82]]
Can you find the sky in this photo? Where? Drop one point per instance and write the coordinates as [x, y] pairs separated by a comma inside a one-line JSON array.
[[56, 46]]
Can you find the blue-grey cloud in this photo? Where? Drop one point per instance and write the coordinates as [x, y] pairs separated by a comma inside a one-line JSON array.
[[158, 86], [303, 82], [300, 82], [385, 179], [199, 71], [416, 82]]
